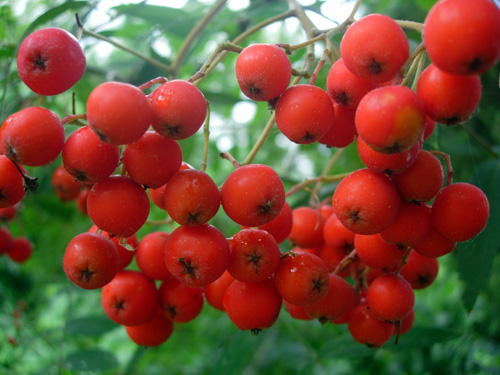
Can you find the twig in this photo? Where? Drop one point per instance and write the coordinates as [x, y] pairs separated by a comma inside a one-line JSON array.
[[228, 156], [194, 33], [149, 60], [206, 136], [449, 167], [309, 181], [348, 259]]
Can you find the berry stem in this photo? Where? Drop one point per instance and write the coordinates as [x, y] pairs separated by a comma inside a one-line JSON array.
[[152, 82], [319, 66], [326, 170], [304, 183], [193, 35], [206, 137], [70, 118], [209, 63], [29, 183], [411, 25], [449, 167], [404, 260], [159, 65], [348, 259], [228, 156]]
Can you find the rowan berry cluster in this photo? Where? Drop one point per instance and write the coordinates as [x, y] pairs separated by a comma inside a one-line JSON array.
[[357, 257]]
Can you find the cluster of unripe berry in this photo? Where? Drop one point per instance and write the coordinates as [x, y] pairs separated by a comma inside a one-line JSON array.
[[356, 261]]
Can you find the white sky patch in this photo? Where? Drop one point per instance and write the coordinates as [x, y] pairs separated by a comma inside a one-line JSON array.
[[337, 10], [236, 5], [243, 112]]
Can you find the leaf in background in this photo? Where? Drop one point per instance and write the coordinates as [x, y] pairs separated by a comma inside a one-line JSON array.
[[425, 5], [175, 21], [90, 360], [53, 13], [475, 257], [424, 337], [90, 325]]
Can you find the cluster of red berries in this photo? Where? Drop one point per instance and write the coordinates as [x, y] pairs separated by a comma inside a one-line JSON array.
[[356, 260]]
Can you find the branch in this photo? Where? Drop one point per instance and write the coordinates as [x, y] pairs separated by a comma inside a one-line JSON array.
[[193, 34], [149, 60]]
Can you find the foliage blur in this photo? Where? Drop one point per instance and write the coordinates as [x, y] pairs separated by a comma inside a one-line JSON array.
[[61, 329]]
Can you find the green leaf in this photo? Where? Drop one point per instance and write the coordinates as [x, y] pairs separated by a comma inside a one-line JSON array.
[[175, 21], [90, 325], [53, 13], [424, 337], [90, 360], [475, 257], [425, 5]]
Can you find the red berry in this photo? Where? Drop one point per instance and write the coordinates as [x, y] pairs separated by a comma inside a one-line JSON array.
[[34, 136], [366, 202], [150, 256], [152, 160], [64, 184], [459, 41], [252, 306], [179, 302], [374, 48], [390, 119], [118, 205], [255, 255], [304, 113], [87, 158], [422, 180], [21, 249], [11, 183], [91, 260], [214, 292], [196, 255], [263, 71], [460, 211], [345, 88], [390, 297], [153, 332], [119, 113], [448, 99], [179, 109], [191, 197], [50, 61], [253, 195], [302, 278], [375, 252], [130, 298], [366, 329], [420, 271], [307, 227]]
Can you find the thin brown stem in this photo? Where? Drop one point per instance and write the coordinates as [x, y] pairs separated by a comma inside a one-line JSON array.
[[207, 66], [197, 78], [327, 168], [411, 25], [320, 64], [194, 33], [84, 31], [309, 181], [404, 259], [154, 81], [228, 156], [348, 259], [206, 137], [70, 118], [260, 142], [449, 167]]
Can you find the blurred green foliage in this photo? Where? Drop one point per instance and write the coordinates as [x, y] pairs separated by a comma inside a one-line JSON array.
[[61, 329]]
